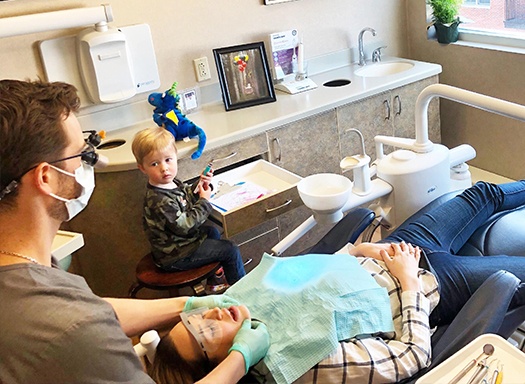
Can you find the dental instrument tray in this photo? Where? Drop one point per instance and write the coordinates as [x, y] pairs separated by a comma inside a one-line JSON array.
[[511, 359], [251, 194]]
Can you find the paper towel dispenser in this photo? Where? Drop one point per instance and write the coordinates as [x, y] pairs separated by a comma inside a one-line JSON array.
[[70, 59], [105, 64]]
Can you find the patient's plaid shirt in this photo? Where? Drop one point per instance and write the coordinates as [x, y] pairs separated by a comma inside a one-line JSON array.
[[384, 358]]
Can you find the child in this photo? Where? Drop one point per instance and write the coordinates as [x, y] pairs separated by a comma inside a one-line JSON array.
[[173, 214]]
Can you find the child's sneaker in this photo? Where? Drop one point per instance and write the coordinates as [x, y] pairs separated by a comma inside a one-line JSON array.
[[217, 283]]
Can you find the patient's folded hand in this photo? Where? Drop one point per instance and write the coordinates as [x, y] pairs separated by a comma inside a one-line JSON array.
[[372, 250], [404, 265], [210, 301]]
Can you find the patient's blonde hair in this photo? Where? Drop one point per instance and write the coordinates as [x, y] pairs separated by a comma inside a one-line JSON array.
[[149, 140]]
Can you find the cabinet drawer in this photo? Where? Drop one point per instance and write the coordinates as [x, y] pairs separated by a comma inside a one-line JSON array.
[[223, 156], [281, 195]]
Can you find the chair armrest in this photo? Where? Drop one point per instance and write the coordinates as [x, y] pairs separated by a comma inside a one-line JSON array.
[[347, 230]]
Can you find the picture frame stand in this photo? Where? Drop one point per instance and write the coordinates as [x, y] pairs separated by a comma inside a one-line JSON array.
[[296, 83]]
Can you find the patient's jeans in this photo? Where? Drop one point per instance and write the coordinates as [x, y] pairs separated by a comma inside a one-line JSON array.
[[442, 231], [214, 249]]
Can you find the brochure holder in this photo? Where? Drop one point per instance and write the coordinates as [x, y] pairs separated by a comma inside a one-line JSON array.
[[288, 64], [296, 84]]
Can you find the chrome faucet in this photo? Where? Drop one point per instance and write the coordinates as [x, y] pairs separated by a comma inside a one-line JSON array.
[[376, 54], [362, 60]]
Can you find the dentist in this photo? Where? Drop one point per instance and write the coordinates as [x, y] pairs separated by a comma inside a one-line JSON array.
[[54, 329]]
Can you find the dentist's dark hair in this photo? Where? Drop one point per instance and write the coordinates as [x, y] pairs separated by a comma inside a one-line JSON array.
[[31, 127]]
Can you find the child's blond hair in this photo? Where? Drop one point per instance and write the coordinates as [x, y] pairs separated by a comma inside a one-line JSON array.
[[149, 140]]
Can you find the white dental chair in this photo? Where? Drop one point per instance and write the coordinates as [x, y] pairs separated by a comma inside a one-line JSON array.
[[503, 234]]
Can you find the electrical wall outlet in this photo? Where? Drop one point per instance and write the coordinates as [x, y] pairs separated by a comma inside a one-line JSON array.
[[202, 69]]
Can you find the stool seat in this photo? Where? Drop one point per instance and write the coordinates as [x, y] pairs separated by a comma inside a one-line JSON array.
[[150, 276]]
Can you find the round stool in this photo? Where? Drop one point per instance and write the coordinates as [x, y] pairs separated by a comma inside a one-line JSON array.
[[150, 276]]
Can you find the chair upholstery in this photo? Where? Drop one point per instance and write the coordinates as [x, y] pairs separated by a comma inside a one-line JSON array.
[[503, 234]]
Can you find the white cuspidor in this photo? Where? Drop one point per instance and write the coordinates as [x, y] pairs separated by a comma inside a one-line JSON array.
[[325, 194]]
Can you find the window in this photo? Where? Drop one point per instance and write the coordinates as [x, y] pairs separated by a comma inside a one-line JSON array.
[[477, 2], [496, 22], [499, 22]]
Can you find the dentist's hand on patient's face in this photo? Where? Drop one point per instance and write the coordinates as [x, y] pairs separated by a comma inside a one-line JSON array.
[[210, 301], [253, 341]]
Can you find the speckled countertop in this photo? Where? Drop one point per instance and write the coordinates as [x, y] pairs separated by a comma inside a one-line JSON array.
[[223, 127]]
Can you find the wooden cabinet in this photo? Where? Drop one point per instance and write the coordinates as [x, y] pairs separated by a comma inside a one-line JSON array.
[[255, 241], [279, 195], [403, 116], [307, 146], [391, 113]]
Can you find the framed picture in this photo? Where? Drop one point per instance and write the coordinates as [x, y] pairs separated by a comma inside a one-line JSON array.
[[244, 75]]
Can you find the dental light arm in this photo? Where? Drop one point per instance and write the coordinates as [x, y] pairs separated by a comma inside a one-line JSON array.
[[473, 99]]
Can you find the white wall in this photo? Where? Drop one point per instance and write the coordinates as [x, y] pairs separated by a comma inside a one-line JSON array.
[[184, 30]]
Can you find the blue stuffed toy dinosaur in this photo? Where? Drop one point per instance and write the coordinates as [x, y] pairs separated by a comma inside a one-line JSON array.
[[167, 114]]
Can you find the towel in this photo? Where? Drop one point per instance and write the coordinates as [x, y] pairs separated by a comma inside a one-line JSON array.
[[309, 303]]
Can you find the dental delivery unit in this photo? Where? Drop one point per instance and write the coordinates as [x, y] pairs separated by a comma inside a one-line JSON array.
[[400, 183]]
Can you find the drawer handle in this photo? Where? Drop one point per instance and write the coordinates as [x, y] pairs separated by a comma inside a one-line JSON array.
[[387, 106], [278, 157], [287, 202], [225, 158], [398, 99]]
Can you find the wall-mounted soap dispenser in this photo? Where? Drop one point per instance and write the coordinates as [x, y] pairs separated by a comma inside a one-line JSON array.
[[105, 64]]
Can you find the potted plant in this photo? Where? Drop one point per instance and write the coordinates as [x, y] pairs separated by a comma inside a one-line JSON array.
[[445, 17]]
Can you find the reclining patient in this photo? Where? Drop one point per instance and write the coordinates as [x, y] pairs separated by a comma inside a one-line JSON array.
[[295, 310]]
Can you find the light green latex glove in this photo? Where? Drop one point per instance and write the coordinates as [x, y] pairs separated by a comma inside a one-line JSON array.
[[253, 341], [210, 301]]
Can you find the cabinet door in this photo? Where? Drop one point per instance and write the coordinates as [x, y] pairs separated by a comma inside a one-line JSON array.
[[403, 101], [307, 146], [371, 116], [255, 241]]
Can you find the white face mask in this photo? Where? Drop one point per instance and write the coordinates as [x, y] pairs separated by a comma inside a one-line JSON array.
[[85, 176]]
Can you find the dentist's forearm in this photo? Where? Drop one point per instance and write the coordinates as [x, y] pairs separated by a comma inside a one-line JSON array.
[[138, 316], [229, 371]]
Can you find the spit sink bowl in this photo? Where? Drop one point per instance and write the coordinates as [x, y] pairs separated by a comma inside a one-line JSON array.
[[325, 192]]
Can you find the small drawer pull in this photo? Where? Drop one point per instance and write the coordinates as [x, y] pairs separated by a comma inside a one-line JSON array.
[[287, 202], [398, 100], [387, 106], [276, 141], [225, 158]]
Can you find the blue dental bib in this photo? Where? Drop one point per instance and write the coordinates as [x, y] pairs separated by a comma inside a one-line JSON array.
[[310, 303]]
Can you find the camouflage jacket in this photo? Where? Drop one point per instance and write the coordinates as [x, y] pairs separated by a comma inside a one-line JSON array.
[[171, 219]]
